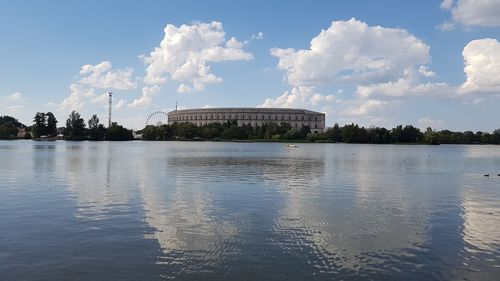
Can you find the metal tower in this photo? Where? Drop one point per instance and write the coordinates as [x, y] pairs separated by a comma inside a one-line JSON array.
[[110, 94]]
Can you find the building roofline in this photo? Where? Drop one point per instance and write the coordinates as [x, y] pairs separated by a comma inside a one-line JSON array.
[[264, 109]]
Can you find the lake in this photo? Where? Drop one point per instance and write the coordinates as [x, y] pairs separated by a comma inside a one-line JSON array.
[[248, 211]]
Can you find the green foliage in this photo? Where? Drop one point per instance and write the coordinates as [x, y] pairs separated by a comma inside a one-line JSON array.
[[96, 131], [118, 133], [9, 126], [51, 129], [75, 127], [44, 124], [8, 131], [39, 127], [11, 121]]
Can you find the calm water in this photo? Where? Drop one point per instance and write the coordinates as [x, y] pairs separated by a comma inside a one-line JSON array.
[[248, 211]]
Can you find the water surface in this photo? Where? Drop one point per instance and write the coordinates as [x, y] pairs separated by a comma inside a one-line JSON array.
[[248, 211]]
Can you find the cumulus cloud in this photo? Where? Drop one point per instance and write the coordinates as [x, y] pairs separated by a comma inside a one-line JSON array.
[[146, 97], [102, 75], [352, 51], [482, 66], [424, 70], [380, 63], [185, 54], [99, 99], [425, 122], [298, 97], [446, 4], [120, 104], [78, 97], [484, 13], [403, 88], [367, 107]]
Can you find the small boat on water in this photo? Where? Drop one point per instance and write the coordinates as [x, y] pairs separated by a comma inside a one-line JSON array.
[[292, 145]]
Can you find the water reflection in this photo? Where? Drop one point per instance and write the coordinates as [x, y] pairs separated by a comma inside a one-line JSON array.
[[348, 218], [96, 179], [219, 211], [481, 234], [182, 215]]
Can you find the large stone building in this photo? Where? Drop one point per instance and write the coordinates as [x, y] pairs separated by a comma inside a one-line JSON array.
[[297, 118]]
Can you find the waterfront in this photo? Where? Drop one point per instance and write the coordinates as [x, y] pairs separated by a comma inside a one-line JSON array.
[[248, 211]]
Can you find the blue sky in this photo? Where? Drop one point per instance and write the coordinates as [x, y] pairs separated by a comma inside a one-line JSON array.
[[382, 63]]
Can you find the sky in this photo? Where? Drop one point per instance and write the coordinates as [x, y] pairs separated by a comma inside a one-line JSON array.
[[376, 63]]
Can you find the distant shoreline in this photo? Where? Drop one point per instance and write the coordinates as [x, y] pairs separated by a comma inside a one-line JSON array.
[[241, 141]]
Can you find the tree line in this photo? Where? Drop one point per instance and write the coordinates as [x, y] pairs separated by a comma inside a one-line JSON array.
[[45, 125], [76, 130], [349, 133]]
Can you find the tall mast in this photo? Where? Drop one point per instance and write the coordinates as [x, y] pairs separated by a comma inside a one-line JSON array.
[[110, 94]]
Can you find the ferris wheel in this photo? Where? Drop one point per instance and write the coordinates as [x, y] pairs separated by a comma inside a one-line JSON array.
[[157, 118]]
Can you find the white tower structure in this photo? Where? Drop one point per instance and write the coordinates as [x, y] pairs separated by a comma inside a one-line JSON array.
[[110, 94]]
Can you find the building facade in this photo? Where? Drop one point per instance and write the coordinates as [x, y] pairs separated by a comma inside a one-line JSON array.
[[297, 118]]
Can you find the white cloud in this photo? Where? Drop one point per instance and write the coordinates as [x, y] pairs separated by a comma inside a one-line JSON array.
[[183, 89], [425, 122], [146, 97], [76, 100], [381, 63], [352, 51], [484, 13], [403, 88], [185, 53], [424, 70], [482, 66], [446, 26], [446, 4], [120, 104], [103, 76], [100, 99], [298, 97], [15, 96], [258, 36], [364, 107]]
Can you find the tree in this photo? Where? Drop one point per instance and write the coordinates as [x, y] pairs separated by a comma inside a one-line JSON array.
[[6, 119], [117, 132], [495, 137], [334, 134], [75, 126], [430, 137], [39, 125], [51, 128], [8, 131], [93, 122], [96, 130]]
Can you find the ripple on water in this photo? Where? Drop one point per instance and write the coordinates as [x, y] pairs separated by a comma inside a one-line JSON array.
[[222, 211]]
